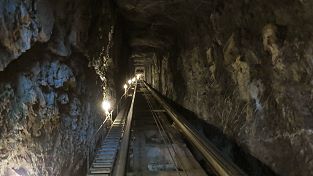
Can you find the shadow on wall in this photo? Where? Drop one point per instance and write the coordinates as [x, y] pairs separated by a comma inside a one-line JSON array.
[[227, 146]]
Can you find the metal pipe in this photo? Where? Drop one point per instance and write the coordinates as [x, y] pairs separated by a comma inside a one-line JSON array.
[[221, 165]]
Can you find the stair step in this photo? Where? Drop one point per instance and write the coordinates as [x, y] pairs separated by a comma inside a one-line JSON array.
[[96, 165], [110, 144], [114, 132], [116, 129], [98, 174], [117, 134], [106, 149], [104, 158], [106, 154], [107, 160], [100, 170], [112, 137], [112, 140]]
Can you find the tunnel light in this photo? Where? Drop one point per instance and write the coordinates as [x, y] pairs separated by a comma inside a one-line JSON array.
[[138, 76], [129, 81], [106, 106]]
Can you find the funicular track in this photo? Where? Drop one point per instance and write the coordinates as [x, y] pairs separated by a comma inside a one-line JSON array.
[[149, 141], [156, 147]]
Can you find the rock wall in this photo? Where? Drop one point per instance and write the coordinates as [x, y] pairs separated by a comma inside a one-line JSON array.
[[245, 67], [58, 60], [47, 115]]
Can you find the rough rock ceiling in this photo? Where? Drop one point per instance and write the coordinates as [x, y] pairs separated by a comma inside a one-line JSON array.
[[140, 59], [153, 24]]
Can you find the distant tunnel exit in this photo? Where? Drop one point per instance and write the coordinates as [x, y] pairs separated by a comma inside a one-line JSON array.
[[140, 71]]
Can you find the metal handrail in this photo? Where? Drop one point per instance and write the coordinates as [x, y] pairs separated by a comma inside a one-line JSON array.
[[120, 100]]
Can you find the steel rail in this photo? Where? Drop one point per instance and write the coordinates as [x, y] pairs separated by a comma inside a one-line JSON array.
[[161, 132], [120, 164], [168, 137], [222, 166]]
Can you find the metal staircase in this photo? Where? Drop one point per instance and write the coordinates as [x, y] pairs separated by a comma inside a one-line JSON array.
[[103, 163]]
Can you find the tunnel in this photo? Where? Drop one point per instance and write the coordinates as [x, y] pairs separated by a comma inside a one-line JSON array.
[[182, 87]]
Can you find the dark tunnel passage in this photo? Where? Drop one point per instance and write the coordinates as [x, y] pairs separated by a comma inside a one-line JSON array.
[[238, 72]]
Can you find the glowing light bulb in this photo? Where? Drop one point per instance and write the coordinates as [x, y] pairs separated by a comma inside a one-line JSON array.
[[125, 86], [106, 105], [129, 81]]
